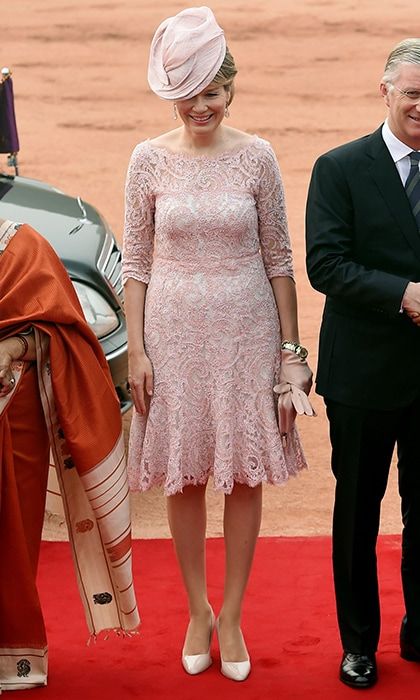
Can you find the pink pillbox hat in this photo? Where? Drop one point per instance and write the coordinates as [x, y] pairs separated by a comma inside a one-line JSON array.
[[186, 53]]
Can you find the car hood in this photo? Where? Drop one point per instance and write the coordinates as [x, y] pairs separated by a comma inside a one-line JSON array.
[[74, 228]]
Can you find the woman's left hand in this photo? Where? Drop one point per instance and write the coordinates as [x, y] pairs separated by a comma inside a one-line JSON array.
[[295, 372], [295, 384]]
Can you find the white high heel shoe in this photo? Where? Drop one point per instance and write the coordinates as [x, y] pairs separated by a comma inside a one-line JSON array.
[[234, 670], [197, 663]]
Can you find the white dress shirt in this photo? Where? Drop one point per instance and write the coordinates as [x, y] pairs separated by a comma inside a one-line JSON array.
[[399, 152]]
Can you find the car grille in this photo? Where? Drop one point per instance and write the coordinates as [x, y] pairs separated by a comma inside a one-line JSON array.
[[109, 264]]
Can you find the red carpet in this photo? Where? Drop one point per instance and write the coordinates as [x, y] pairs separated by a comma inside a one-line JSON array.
[[289, 624]]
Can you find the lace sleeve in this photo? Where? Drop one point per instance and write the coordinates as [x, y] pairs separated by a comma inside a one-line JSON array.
[[139, 218], [272, 219]]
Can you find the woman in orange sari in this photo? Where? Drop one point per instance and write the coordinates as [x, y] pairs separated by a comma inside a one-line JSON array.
[[56, 395]]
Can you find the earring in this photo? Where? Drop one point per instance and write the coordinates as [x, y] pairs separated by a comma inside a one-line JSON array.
[[227, 113], [175, 113]]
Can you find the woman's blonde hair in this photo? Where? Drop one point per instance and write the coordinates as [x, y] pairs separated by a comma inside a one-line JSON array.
[[226, 73]]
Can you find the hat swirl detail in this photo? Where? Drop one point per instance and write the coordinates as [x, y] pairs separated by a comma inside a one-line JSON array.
[[186, 53]]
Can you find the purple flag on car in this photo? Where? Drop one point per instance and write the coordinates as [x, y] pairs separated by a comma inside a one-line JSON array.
[[9, 141]]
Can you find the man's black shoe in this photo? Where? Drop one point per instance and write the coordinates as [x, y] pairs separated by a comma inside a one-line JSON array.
[[407, 650], [358, 670]]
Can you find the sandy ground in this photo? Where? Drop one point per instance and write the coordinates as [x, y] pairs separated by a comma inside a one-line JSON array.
[[308, 80]]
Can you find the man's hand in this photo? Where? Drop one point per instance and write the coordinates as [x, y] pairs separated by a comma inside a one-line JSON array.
[[411, 302]]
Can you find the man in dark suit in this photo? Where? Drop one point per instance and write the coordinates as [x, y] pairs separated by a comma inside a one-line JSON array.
[[363, 252]]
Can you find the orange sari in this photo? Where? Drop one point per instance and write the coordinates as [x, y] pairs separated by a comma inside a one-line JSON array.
[[66, 403]]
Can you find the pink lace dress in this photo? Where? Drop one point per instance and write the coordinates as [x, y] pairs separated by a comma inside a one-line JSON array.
[[206, 234]]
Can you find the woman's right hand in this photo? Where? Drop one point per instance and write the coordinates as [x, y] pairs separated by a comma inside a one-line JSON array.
[[140, 378], [7, 380]]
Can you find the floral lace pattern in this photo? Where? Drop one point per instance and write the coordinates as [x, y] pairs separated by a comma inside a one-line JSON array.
[[206, 234]]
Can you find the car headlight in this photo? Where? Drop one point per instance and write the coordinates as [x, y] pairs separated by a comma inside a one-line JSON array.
[[98, 313]]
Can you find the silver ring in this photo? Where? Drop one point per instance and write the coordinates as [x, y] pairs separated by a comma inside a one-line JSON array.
[[12, 381]]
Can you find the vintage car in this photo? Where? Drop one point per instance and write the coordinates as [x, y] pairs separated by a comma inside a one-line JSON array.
[[86, 245]]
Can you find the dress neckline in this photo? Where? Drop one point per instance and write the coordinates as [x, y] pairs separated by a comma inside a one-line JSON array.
[[192, 156]]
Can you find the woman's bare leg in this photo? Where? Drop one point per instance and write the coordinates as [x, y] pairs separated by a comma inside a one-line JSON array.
[[242, 520], [187, 520]]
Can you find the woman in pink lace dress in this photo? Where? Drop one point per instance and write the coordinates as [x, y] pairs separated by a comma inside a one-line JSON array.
[[208, 284]]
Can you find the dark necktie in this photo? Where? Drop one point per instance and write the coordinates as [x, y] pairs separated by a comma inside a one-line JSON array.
[[412, 186]]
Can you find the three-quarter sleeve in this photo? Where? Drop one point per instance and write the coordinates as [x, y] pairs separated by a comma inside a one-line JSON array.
[[272, 219], [139, 218]]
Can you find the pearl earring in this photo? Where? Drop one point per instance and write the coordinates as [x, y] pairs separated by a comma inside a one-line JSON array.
[[227, 113], [175, 113]]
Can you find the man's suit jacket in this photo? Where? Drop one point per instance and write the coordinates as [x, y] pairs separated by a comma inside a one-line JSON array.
[[363, 247]]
